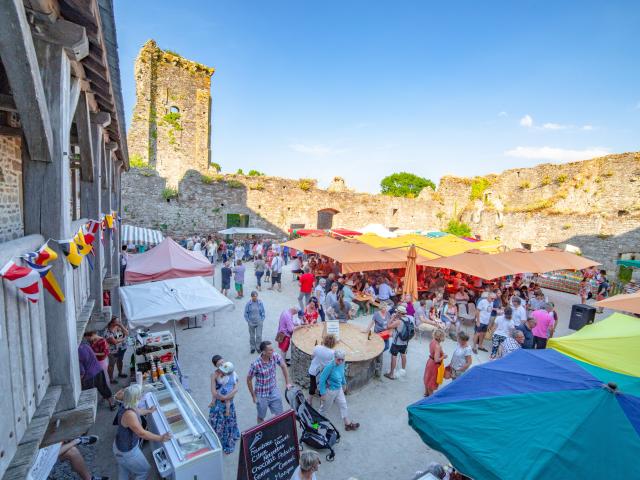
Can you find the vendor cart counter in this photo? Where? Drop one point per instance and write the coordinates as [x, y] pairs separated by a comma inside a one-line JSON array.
[[363, 353], [194, 451]]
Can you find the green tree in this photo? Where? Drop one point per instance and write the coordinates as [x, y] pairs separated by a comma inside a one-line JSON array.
[[404, 184], [216, 167], [255, 173], [458, 228], [239, 172]]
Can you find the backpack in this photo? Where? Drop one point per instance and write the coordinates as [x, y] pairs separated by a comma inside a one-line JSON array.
[[408, 330]]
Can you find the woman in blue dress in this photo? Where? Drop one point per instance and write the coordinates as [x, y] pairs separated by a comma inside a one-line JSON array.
[[222, 411]]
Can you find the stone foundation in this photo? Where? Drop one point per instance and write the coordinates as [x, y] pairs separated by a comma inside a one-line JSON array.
[[358, 373]]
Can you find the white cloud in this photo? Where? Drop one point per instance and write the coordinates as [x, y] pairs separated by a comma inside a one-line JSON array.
[[555, 126], [587, 127], [315, 150], [556, 154], [503, 114], [526, 121]]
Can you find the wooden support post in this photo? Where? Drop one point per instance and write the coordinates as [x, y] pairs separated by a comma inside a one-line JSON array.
[[21, 64], [90, 137], [46, 211], [106, 207]]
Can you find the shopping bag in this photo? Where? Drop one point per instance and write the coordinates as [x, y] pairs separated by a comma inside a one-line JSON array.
[[440, 375]]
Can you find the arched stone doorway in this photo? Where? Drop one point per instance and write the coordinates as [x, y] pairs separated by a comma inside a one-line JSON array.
[[325, 218]]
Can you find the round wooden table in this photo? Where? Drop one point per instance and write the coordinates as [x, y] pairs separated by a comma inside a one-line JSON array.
[[363, 359]]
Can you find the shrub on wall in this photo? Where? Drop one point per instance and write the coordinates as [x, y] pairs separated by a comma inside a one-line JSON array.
[[560, 179], [458, 228], [136, 161], [255, 173], [478, 186], [235, 184], [209, 179], [169, 192], [216, 167], [305, 184]]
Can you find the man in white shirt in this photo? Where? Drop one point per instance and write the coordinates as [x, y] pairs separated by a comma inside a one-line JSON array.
[[276, 272], [483, 317]]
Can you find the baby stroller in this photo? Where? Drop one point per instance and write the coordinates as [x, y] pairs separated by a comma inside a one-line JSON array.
[[317, 431]]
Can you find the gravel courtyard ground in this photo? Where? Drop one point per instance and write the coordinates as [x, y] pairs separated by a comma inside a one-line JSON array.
[[384, 447]]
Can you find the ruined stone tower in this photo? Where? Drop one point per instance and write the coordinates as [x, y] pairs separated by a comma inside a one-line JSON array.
[[171, 124]]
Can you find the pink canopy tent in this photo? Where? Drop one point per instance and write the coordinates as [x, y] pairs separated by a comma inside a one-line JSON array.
[[167, 260]]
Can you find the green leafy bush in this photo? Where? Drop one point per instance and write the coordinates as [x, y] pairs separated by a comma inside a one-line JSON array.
[[255, 173], [404, 184], [560, 179], [524, 185], [216, 167], [458, 228]]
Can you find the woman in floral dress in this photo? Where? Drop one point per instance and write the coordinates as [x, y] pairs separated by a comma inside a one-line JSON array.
[[222, 411]]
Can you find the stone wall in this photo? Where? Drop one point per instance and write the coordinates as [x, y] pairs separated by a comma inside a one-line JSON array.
[[271, 203], [11, 225], [171, 128], [594, 205]]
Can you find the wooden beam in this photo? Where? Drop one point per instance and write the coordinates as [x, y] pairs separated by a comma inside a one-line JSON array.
[[69, 35], [74, 422], [10, 131], [95, 67], [74, 96], [21, 64], [101, 118], [83, 124], [7, 104], [90, 202], [32, 438]]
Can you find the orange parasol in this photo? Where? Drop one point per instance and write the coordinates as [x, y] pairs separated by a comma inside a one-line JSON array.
[[411, 275], [562, 260], [625, 302], [474, 262], [311, 243]]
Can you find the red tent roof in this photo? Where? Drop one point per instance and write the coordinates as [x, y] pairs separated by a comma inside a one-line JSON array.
[[167, 260]]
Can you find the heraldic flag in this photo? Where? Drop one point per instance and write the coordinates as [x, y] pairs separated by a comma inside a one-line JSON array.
[[41, 261], [70, 250], [25, 278]]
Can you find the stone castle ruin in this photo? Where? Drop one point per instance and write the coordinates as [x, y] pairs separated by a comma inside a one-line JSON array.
[[593, 204], [171, 126]]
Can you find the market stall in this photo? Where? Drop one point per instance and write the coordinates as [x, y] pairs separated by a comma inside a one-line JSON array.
[[625, 302], [194, 449], [167, 260], [130, 235]]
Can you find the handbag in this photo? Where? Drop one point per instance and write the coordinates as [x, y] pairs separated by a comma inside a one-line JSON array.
[[440, 375], [280, 337]]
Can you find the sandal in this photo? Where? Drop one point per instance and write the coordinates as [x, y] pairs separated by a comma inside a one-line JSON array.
[[352, 426], [389, 376]]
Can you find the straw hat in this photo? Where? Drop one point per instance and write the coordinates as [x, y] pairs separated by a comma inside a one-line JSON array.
[[349, 283], [401, 309]]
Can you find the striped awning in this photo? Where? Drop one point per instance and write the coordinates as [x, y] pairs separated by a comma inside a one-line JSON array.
[[140, 236]]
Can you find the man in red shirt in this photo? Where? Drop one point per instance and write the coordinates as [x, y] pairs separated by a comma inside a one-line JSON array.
[[307, 279]]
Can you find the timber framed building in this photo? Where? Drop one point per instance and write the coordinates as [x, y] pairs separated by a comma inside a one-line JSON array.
[[62, 150]]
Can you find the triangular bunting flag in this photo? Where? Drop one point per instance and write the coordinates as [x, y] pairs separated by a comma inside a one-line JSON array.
[[25, 278]]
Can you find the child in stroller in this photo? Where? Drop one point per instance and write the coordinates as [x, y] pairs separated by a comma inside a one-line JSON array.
[[317, 431]]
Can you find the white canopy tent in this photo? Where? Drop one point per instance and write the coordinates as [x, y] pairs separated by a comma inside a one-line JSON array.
[[245, 231], [159, 302]]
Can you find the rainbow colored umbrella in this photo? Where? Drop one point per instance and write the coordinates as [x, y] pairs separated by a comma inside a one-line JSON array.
[[535, 414]]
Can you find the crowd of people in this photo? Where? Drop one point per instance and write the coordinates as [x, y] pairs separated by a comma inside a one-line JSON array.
[[503, 316]]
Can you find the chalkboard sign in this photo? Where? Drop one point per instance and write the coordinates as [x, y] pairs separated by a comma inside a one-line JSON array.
[[269, 451]]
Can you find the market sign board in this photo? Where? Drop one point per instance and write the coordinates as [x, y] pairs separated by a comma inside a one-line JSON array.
[[270, 451]]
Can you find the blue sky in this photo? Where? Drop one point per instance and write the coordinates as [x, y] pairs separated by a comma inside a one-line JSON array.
[[362, 89]]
